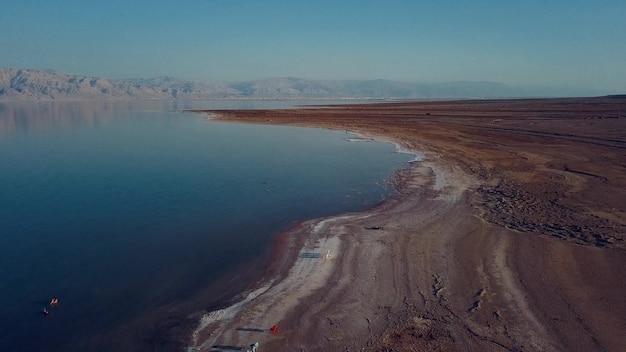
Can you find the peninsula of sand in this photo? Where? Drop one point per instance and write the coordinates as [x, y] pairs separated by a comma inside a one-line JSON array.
[[509, 235]]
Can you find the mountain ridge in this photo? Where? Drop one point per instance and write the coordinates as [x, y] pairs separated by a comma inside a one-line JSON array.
[[35, 84]]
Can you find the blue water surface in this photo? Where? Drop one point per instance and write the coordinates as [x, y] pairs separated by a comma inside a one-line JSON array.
[[122, 210]]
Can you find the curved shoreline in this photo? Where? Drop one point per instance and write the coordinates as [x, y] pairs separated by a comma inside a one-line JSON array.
[[301, 264], [317, 244], [505, 237]]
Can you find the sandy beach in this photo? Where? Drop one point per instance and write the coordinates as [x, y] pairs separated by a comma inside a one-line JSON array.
[[509, 235]]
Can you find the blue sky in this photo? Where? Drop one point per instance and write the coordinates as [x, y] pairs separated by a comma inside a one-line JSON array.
[[575, 44]]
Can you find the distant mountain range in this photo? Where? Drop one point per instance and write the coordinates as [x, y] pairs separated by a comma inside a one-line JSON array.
[[32, 84]]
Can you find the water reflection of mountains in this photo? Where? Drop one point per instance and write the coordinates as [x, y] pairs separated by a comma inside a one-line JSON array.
[[29, 117], [18, 118]]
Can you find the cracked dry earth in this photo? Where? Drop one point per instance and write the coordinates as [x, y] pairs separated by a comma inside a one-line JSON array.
[[509, 236]]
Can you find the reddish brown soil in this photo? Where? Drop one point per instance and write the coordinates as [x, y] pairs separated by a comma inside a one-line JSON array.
[[511, 235]]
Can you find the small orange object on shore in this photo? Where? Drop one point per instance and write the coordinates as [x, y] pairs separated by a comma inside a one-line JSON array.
[[274, 329]]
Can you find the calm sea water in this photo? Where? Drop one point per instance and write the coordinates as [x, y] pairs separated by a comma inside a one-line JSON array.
[[129, 213]]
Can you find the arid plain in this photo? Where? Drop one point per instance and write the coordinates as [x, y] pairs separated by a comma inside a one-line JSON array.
[[509, 235]]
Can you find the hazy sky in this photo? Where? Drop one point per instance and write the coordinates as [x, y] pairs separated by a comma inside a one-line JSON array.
[[567, 43]]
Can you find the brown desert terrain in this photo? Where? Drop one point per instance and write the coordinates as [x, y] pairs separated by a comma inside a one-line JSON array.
[[509, 235]]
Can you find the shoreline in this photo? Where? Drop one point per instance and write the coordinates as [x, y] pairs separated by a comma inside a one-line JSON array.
[[302, 265], [504, 237]]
